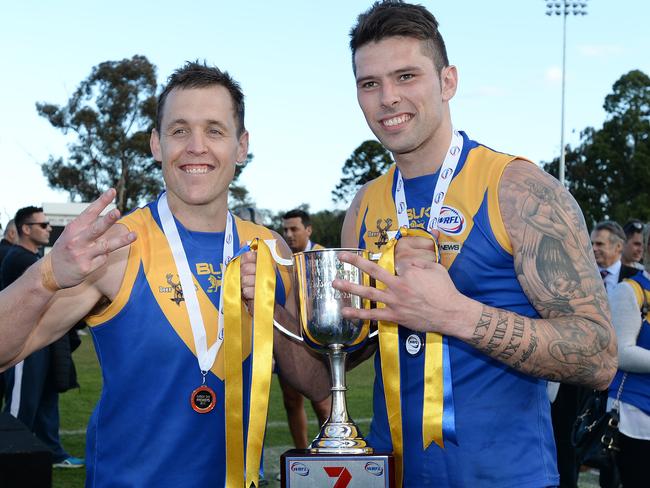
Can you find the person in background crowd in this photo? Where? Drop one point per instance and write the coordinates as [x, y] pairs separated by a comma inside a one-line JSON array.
[[32, 392], [631, 319], [296, 225], [10, 237], [633, 247], [607, 240]]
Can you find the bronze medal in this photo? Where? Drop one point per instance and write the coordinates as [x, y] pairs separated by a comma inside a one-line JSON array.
[[203, 399]]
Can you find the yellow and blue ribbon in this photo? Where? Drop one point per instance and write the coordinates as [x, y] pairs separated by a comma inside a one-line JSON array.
[[240, 471], [438, 421]]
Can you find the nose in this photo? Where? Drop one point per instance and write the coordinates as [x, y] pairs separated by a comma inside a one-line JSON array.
[[389, 95], [196, 143]]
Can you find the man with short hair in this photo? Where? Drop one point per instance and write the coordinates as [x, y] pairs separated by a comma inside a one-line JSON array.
[[296, 225], [31, 393], [607, 240], [153, 306], [633, 248], [10, 237], [515, 301]]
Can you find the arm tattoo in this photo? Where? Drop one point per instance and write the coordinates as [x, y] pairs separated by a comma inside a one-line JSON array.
[[554, 263]]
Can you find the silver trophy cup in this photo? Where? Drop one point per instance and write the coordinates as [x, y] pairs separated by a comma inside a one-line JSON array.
[[326, 330]]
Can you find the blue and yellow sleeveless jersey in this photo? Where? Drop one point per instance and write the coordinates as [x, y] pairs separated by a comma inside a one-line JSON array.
[[503, 423], [636, 389], [143, 431]]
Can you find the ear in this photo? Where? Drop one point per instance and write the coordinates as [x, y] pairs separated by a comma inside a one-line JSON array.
[[448, 82], [308, 229], [154, 144], [242, 149]]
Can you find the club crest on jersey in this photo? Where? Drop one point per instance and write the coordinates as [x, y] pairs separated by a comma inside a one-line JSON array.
[[451, 221], [383, 227]]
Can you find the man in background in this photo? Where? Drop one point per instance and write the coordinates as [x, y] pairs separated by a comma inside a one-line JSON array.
[[633, 247], [296, 225], [608, 239], [9, 239], [31, 388]]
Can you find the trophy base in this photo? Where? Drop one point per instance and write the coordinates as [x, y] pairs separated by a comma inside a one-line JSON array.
[[340, 438], [300, 468]]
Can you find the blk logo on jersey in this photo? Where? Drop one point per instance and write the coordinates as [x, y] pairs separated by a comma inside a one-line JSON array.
[[451, 221]]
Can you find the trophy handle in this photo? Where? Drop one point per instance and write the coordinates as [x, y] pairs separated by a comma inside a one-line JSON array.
[[287, 332]]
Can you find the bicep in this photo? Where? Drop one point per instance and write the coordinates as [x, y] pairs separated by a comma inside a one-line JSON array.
[[552, 252]]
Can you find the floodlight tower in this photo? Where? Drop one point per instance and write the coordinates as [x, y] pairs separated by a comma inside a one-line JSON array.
[[564, 8]]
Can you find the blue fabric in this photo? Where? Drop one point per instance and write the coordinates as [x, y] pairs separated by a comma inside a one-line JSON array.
[[636, 389]]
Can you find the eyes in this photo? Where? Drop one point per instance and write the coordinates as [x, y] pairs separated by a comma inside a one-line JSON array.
[[400, 78], [182, 131]]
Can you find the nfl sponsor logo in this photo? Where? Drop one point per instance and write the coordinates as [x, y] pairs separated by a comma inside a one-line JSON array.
[[451, 221], [401, 207], [374, 468], [454, 150], [221, 335], [446, 173], [299, 468], [440, 196], [399, 185]]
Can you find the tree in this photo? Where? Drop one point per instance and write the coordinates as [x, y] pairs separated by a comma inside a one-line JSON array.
[[608, 173], [366, 163], [111, 113]]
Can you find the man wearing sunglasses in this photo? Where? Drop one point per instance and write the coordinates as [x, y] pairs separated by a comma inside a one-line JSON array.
[[31, 394]]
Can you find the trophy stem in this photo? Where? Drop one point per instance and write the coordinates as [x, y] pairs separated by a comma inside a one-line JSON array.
[[339, 434]]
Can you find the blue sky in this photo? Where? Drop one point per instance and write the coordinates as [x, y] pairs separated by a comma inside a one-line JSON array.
[[292, 59]]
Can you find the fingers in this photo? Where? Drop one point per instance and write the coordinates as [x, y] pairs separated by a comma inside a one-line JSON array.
[[416, 242], [248, 267], [374, 270], [359, 290], [92, 211]]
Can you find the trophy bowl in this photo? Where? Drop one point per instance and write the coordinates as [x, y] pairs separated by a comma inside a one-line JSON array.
[[326, 330]]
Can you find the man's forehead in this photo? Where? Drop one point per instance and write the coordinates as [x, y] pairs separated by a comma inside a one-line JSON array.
[[211, 102], [291, 222], [408, 50]]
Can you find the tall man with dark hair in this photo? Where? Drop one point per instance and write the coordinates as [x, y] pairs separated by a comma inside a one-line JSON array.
[[296, 226], [160, 420], [31, 393], [516, 299]]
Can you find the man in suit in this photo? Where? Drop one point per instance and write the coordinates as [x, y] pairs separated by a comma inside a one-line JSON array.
[[608, 239]]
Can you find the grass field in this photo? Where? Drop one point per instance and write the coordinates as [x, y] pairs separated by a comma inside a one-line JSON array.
[[76, 406]]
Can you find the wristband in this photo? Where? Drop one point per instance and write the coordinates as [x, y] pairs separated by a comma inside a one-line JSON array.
[[47, 275]]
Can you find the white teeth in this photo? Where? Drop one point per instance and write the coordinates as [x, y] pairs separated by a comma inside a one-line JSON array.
[[195, 170], [397, 120]]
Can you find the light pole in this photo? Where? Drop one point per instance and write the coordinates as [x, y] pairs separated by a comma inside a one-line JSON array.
[[564, 8]]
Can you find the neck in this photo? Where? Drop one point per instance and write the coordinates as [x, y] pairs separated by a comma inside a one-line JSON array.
[[28, 244], [427, 158], [208, 217]]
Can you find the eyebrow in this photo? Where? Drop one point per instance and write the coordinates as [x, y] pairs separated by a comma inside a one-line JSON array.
[[182, 121]]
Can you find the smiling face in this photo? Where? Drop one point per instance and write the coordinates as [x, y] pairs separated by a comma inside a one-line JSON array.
[[633, 249], [607, 248], [198, 147], [403, 98]]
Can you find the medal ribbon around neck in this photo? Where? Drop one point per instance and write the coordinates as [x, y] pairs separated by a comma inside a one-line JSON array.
[[262, 352], [205, 355], [438, 418]]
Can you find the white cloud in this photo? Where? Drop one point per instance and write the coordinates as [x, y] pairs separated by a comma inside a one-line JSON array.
[[600, 50], [553, 75]]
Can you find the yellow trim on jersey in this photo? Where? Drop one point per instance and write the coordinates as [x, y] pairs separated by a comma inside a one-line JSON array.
[[133, 223]]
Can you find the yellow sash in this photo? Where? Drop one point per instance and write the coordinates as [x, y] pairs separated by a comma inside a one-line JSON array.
[[433, 370], [261, 367]]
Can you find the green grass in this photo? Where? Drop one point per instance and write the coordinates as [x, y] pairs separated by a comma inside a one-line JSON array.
[[76, 407]]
